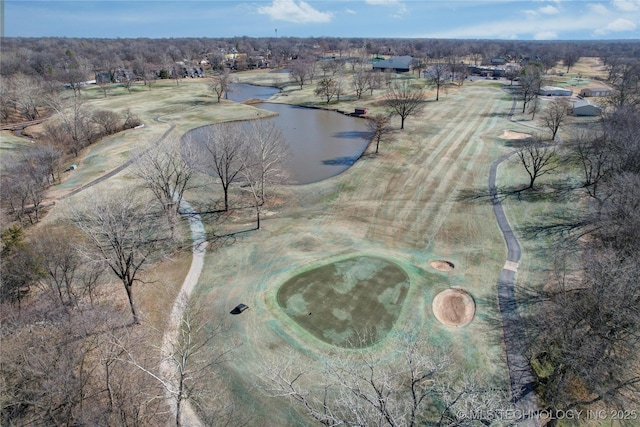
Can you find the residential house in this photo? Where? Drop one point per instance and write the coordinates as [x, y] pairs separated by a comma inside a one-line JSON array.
[[595, 91], [583, 107], [398, 64]]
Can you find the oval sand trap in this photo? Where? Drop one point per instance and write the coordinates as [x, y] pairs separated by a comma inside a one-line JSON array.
[[442, 265], [509, 134], [454, 307]]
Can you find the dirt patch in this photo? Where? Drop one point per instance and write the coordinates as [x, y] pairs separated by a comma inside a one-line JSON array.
[[454, 307], [509, 134], [442, 265]]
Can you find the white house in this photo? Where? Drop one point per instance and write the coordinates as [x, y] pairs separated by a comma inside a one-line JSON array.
[[586, 108], [554, 91]]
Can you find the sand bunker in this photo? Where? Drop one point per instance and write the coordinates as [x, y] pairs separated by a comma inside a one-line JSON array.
[[454, 307], [442, 265], [509, 134]]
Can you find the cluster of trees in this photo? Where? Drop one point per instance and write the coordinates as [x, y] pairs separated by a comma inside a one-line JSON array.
[[71, 62], [28, 173], [68, 360], [69, 355], [252, 153], [584, 324], [429, 386]]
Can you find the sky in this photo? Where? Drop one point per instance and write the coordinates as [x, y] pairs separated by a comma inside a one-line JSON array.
[[451, 19]]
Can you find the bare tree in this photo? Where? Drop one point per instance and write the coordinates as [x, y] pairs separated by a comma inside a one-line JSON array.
[[302, 70], [191, 357], [584, 335], [373, 82], [74, 121], [379, 125], [269, 150], [26, 180], [359, 82], [530, 84], [570, 57], [18, 266], [625, 81], [220, 83], [538, 159], [26, 95], [58, 262], [404, 101], [107, 120], [167, 175], [105, 86], [512, 73], [364, 391], [221, 154], [327, 88], [437, 76], [123, 232], [594, 161], [263, 162], [555, 114]]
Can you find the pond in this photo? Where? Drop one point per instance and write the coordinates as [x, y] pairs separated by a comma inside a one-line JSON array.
[[323, 143]]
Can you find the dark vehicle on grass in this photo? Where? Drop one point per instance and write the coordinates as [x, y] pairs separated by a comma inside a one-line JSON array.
[[239, 309]]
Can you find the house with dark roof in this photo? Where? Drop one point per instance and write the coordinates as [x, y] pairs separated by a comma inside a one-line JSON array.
[[399, 64], [586, 108]]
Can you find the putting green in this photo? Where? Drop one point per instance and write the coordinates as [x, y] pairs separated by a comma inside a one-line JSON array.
[[349, 303]]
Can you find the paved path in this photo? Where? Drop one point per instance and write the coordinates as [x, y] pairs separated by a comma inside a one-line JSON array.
[[119, 168], [521, 377], [198, 235], [167, 367]]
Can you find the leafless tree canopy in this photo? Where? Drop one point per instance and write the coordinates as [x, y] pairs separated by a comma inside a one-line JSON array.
[[166, 173], [555, 114], [538, 159], [220, 83], [255, 151], [530, 84], [123, 232], [405, 101], [380, 128], [426, 388], [584, 326]]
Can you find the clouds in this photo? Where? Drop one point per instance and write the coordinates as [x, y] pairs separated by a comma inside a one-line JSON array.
[[290, 11], [552, 20], [460, 19], [400, 9], [616, 26], [627, 5]]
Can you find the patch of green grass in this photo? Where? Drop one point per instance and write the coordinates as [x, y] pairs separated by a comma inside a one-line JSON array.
[[338, 302]]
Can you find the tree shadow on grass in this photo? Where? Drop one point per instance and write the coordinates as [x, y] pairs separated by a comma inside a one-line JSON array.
[[341, 161], [553, 191]]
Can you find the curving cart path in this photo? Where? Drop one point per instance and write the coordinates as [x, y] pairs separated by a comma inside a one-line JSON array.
[[521, 377], [199, 237]]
